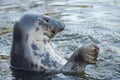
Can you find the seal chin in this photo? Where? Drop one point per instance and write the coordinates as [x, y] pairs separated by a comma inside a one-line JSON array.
[[50, 35]]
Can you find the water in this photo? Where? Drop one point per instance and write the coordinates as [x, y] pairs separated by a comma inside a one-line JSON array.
[[87, 21]]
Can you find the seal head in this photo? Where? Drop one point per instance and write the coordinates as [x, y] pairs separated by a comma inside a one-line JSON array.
[[51, 26]]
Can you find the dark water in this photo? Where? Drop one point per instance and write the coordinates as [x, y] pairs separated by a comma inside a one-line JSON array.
[[87, 21]]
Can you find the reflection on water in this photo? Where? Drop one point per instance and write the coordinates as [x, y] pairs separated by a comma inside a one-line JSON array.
[[87, 21], [29, 75]]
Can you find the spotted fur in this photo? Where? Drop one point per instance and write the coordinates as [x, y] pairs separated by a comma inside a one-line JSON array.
[[31, 49]]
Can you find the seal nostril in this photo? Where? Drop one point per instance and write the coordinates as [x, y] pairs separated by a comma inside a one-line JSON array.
[[62, 29]]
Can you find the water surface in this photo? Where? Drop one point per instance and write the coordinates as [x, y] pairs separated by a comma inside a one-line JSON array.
[[87, 21]]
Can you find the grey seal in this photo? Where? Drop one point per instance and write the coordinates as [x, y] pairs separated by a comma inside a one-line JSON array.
[[31, 49]]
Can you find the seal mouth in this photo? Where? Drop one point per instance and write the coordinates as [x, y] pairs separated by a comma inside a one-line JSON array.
[[52, 33]]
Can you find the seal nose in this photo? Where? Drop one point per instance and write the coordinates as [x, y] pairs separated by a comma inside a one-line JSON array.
[[62, 27]]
